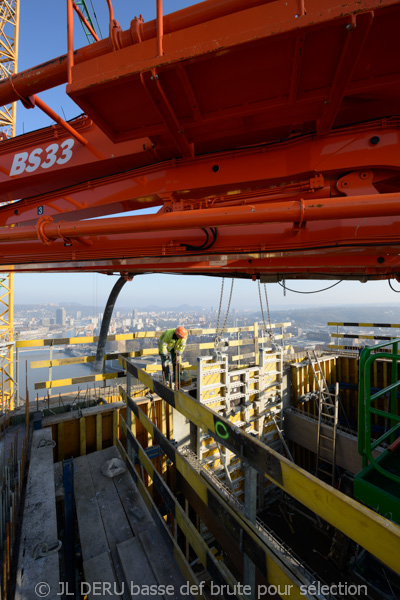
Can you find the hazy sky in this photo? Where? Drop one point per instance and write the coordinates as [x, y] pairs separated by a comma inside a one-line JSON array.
[[173, 290], [42, 37]]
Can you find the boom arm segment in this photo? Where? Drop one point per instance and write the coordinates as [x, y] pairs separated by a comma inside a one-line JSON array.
[[304, 167], [243, 133], [51, 159]]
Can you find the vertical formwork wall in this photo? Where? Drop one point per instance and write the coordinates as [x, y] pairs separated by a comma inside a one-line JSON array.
[[345, 370]]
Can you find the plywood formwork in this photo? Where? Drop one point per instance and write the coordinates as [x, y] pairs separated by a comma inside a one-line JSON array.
[[87, 430]]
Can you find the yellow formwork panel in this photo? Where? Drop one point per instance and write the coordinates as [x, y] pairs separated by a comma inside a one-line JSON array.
[[213, 379], [376, 534]]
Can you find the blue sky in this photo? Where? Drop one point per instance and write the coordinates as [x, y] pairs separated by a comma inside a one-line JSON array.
[[42, 37]]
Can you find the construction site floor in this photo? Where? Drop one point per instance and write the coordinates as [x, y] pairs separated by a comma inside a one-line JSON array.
[[86, 531], [120, 542]]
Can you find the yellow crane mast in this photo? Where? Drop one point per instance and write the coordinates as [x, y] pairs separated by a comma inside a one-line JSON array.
[[9, 26]]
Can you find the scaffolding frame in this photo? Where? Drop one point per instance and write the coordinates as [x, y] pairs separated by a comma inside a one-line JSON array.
[[9, 41]]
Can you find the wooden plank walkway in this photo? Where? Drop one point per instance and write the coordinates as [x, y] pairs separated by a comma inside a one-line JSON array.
[[121, 546], [38, 570]]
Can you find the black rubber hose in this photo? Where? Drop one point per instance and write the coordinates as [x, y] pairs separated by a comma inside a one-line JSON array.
[[101, 344], [206, 245]]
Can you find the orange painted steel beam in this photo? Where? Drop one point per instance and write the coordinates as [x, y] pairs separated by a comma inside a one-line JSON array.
[[111, 10], [54, 72], [344, 265], [304, 207], [227, 174], [198, 14], [31, 164], [223, 56], [160, 27], [357, 34], [381, 234], [36, 101], [70, 39], [86, 22], [341, 249], [358, 248], [274, 237], [157, 96], [374, 205]]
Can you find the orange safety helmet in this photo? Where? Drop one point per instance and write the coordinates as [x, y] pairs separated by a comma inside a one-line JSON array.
[[181, 332]]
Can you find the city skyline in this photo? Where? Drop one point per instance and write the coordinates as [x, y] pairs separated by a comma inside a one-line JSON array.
[[174, 290]]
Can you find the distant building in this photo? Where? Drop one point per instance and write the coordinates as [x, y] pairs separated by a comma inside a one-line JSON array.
[[61, 316], [135, 314], [318, 336]]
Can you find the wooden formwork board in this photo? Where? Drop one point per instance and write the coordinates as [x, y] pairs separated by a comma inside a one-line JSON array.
[[80, 432], [303, 380]]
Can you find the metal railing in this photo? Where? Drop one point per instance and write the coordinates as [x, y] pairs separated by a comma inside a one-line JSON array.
[[114, 29], [71, 6], [359, 336], [253, 342], [367, 409], [262, 528]]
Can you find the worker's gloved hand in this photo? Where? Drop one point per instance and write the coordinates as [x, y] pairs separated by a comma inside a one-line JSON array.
[[167, 363]]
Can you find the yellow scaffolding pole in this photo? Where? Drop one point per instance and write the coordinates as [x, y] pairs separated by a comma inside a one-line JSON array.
[[9, 29]]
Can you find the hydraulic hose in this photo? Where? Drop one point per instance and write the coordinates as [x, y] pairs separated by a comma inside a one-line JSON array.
[[101, 344]]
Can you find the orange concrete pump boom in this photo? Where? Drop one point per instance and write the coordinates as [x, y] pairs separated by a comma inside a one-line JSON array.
[[264, 136]]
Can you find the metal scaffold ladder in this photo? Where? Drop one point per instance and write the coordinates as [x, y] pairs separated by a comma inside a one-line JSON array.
[[281, 437], [271, 364], [328, 409], [318, 374]]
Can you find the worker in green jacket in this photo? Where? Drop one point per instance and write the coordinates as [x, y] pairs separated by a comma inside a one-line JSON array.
[[171, 342]]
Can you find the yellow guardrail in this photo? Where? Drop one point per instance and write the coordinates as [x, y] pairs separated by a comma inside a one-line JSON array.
[[360, 336], [349, 324], [144, 352], [377, 535], [132, 336], [279, 569]]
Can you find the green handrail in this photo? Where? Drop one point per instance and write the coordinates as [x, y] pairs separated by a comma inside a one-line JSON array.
[[366, 400]]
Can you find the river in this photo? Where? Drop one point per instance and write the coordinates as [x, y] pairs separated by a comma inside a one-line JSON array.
[[27, 356]]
